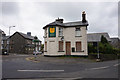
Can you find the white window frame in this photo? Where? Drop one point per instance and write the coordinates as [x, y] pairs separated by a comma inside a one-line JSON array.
[[77, 31], [60, 31], [46, 32], [2, 42]]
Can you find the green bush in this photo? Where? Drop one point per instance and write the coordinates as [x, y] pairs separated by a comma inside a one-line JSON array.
[[103, 47]]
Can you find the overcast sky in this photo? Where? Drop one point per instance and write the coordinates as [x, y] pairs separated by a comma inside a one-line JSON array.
[[33, 16]]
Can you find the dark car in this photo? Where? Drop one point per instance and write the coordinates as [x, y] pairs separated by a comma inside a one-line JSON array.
[[4, 52]]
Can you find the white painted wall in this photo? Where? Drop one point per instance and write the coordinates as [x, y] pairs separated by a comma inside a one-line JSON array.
[[69, 35]]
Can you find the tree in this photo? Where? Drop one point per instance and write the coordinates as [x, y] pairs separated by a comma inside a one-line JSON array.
[[103, 40], [42, 47]]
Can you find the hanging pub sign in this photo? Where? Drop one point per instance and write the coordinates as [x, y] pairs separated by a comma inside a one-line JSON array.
[[52, 31]]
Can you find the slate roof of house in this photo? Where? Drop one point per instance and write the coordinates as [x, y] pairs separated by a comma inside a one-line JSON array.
[[69, 24], [5, 37], [26, 36], [114, 40], [96, 37]]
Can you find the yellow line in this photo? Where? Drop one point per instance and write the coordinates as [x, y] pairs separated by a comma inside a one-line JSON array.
[[31, 59]]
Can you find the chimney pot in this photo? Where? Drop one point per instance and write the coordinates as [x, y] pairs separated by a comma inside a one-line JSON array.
[[29, 33], [59, 20], [83, 16]]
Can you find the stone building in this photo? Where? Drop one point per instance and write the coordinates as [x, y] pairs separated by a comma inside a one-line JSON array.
[[23, 43], [5, 42], [115, 42], [66, 38]]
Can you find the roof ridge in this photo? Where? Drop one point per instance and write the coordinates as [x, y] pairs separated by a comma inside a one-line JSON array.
[[72, 22]]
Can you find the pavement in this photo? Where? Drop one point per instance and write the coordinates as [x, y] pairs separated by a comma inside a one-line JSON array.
[[26, 67]]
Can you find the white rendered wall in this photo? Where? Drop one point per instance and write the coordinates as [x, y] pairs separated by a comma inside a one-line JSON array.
[[69, 35]]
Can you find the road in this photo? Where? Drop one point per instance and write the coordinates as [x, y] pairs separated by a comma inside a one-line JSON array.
[[16, 66]]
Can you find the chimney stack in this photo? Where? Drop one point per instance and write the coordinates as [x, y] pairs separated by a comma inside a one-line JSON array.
[[59, 20], [83, 17], [29, 33]]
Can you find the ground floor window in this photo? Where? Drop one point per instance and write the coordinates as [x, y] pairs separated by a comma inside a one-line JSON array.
[[78, 46], [45, 45], [60, 45]]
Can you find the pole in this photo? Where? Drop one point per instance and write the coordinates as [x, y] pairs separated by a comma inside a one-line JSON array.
[[98, 50], [9, 39]]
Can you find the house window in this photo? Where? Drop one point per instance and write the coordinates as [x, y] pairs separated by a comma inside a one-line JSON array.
[[28, 42], [77, 31], [78, 46], [39, 48], [2, 42], [46, 46], [7, 42], [46, 32], [60, 31], [11, 47], [60, 45]]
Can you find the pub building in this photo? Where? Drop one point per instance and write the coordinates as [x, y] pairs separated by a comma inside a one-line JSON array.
[[66, 38]]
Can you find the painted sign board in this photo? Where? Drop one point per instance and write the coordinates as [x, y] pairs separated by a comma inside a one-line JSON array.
[[52, 31]]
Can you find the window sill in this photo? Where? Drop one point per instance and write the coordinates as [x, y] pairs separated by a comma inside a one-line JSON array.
[[79, 51], [61, 51], [60, 36], [78, 36]]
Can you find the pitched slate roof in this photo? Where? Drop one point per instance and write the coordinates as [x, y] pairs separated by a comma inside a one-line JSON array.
[[69, 24], [96, 37], [115, 40], [25, 36], [5, 37]]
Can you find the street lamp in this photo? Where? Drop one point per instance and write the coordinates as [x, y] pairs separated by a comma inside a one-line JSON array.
[[35, 42], [10, 28], [98, 55], [9, 37]]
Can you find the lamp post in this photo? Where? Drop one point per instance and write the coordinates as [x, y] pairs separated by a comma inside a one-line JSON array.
[[98, 55], [9, 38], [35, 42]]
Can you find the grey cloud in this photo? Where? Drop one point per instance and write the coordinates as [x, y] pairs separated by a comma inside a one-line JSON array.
[[10, 8], [102, 16]]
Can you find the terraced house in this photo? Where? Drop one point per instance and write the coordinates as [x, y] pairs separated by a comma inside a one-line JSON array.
[[66, 38], [23, 43]]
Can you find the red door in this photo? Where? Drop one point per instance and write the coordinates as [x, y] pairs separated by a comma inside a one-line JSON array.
[[68, 48]]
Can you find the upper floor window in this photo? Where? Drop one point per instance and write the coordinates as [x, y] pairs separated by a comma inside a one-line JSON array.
[[28, 42], [60, 31], [77, 31], [46, 32], [2, 42]]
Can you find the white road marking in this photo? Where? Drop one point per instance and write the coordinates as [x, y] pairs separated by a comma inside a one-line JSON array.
[[41, 70], [98, 68], [116, 64], [22, 55]]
